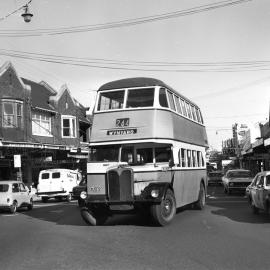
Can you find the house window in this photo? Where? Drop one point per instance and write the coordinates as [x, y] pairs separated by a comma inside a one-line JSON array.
[[12, 114], [41, 124], [69, 126]]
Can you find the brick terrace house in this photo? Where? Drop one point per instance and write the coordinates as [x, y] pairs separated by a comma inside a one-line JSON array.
[[45, 128]]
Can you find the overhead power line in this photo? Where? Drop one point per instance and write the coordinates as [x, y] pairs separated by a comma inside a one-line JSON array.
[[122, 23], [141, 66]]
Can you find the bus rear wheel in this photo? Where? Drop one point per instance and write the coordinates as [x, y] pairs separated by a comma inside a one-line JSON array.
[[164, 212], [201, 198]]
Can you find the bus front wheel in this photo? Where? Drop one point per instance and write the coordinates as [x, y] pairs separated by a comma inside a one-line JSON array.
[[93, 218], [164, 212]]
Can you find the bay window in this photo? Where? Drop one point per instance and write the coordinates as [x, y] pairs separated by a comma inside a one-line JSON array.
[[68, 126], [41, 124], [12, 114]]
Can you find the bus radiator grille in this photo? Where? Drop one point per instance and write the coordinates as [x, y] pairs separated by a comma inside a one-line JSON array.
[[120, 183]]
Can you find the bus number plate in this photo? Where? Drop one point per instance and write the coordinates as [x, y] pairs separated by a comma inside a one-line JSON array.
[[122, 122]]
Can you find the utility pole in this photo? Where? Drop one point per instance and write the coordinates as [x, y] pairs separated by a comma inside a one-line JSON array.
[[236, 144]]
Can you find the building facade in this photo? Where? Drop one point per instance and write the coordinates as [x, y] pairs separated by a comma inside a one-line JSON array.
[[39, 128]]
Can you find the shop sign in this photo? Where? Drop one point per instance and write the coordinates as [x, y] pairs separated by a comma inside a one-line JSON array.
[[17, 161], [267, 142], [257, 143]]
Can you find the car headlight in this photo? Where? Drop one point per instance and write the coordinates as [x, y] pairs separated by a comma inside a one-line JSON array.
[[155, 193], [231, 184], [83, 195]]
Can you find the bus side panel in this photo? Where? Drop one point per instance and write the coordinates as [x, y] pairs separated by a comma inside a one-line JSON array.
[[186, 185]]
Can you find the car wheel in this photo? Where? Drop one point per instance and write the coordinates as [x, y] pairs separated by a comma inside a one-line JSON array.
[[255, 209], [13, 208], [164, 212], [69, 197], [201, 201], [30, 205]]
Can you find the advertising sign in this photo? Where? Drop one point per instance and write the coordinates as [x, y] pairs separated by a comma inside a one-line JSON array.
[[17, 161]]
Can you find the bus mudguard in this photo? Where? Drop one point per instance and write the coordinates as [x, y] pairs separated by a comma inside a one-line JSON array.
[[155, 191]]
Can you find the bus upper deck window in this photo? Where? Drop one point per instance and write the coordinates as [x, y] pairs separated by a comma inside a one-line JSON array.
[[111, 100], [177, 103], [171, 101], [140, 98], [182, 103], [163, 98]]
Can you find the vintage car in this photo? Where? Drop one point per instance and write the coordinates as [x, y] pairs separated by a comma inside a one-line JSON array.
[[236, 180], [77, 192], [14, 194], [215, 178], [259, 192]]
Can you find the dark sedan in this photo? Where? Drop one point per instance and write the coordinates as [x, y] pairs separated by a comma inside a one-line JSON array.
[[77, 192], [215, 178]]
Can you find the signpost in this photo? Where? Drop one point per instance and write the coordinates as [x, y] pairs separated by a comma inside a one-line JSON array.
[[17, 164]]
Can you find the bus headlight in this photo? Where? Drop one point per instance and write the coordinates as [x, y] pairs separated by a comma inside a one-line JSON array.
[[83, 195], [155, 193]]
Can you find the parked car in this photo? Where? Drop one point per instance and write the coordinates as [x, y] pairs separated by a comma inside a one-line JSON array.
[[215, 178], [259, 192], [57, 183], [13, 195], [77, 192], [236, 180]]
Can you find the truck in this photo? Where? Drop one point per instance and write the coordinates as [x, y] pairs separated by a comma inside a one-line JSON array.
[[57, 183]]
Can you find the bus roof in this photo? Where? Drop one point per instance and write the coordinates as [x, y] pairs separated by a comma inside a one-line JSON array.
[[139, 82]]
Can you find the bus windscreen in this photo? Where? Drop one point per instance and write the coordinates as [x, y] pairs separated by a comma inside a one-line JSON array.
[[104, 153]]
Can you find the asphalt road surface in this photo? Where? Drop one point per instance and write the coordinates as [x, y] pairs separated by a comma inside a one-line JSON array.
[[225, 235]]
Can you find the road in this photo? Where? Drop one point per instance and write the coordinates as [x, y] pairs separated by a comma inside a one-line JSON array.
[[225, 235]]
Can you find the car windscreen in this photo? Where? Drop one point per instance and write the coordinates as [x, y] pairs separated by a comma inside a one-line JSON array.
[[215, 174], [4, 187], [240, 174]]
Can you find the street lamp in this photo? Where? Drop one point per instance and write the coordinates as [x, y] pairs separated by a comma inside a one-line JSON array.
[[27, 15]]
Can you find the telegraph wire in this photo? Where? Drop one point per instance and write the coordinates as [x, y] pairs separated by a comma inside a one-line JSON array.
[[140, 66], [122, 23]]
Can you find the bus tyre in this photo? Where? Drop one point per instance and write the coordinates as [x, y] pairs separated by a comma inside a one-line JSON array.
[[91, 219], [201, 198], [164, 212]]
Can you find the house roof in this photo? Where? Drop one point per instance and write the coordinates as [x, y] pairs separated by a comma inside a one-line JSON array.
[[40, 95]]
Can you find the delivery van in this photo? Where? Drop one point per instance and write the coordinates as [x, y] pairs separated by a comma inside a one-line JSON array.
[[57, 183]]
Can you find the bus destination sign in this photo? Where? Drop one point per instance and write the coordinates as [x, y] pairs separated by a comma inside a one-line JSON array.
[[121, 129], [128, 131]]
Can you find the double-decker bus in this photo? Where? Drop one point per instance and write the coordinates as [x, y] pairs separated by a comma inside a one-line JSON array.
[[147, 152]]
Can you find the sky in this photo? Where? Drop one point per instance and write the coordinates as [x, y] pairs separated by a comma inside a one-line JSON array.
[[215, 52]]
